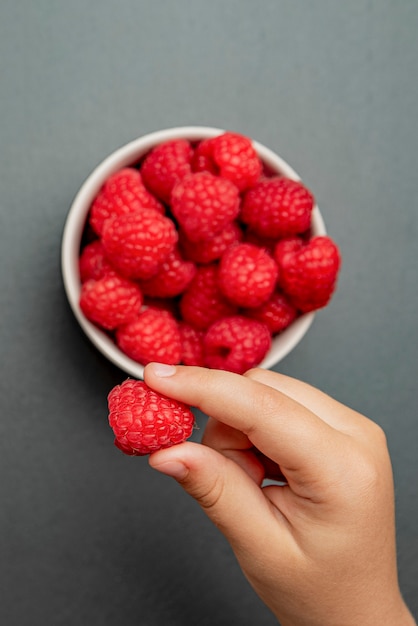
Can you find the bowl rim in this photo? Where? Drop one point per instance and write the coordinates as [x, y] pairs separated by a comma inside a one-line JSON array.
[[124, 156]]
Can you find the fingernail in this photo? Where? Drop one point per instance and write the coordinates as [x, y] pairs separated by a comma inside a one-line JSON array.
[[175, 469], [162, 370]]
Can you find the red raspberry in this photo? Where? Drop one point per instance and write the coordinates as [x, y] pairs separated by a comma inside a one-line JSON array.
[[126, 179], [277, 313], [278, 207], [203, 303], [164, 304], [205, 252], [236, 344], [137, 243], [268, 243], [231, 156], [204, 204], [165, 165], [93, 263], [247, 275], [110, 301], [287, 247], [123, 192], [203, 158], [144, 421], [173, 277], [308, 270], [191, 345], [152, 336]]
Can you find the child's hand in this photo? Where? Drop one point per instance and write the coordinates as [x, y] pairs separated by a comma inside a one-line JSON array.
[[319, 550]]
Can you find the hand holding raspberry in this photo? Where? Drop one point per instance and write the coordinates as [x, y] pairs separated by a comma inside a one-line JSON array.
[[318, 542]]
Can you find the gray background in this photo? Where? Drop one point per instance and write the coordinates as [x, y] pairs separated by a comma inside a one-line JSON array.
[[87, 535]]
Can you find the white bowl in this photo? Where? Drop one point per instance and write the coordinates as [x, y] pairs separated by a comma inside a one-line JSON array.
[[75, 223]]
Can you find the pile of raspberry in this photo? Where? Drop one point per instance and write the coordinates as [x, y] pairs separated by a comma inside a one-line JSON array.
[[197, 254]]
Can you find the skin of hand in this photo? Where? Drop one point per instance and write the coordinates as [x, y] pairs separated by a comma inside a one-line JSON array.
[[318, 547]]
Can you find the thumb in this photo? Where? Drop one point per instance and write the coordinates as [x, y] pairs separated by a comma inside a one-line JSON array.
[[227, 494]]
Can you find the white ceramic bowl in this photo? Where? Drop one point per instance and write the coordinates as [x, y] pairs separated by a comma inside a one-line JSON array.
[[76, 221]]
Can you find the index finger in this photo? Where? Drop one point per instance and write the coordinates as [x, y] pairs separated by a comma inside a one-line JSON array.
[[332, 412]]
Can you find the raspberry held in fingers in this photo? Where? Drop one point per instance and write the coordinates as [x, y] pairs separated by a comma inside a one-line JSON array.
[[144, 421]]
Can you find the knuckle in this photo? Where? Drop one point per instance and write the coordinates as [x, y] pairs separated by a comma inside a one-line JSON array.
[[376, 437], [268, 400], [266, 407], [255, 373], [379, 434], [208, 496], [269, 403], [369, 473]]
